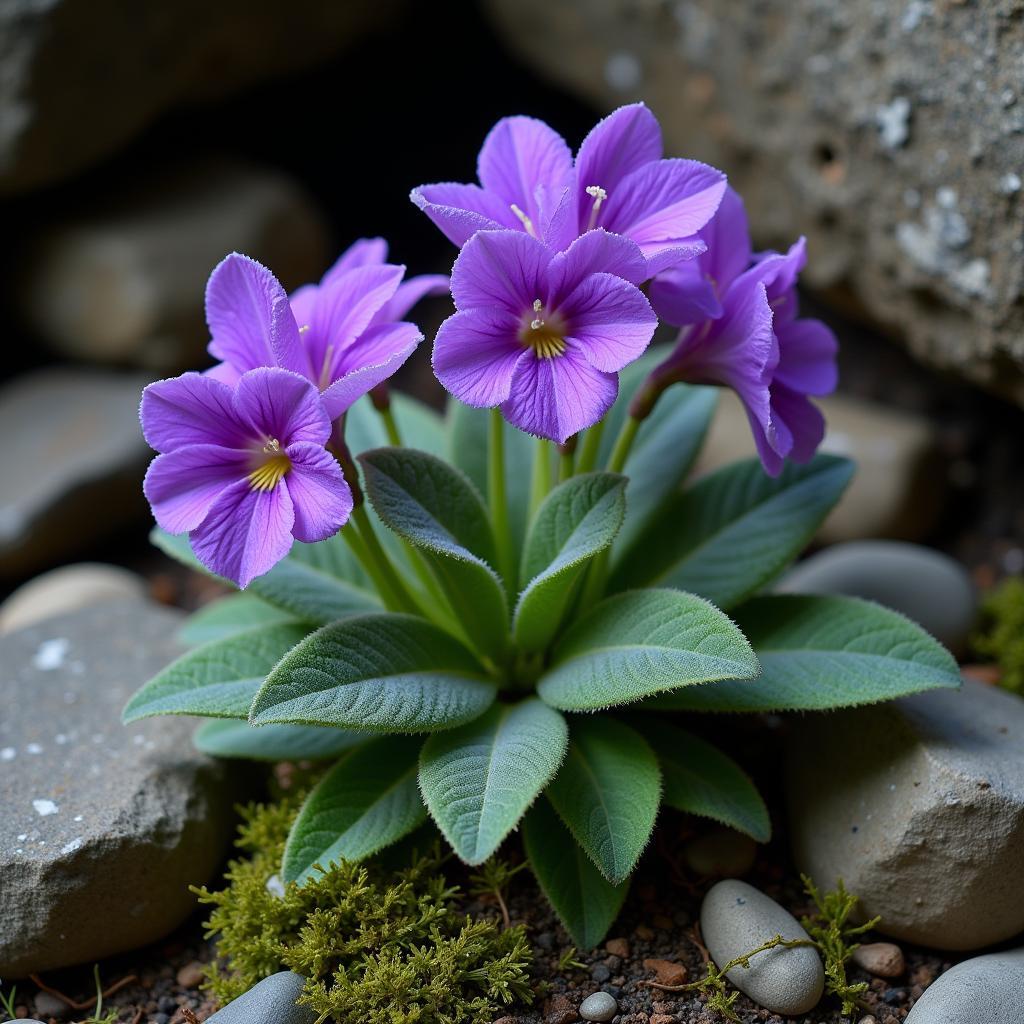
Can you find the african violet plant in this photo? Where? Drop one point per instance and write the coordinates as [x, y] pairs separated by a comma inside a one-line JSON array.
[[488, 619]]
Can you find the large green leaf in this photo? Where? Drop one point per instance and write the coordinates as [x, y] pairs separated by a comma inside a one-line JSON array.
[[236, 613], [367, 801], [584, 901], [380, 673], [639, 643], [825, 652], [577, 519], [293, 585], [224, 737], [700, 779], [436, 507], [467, 449], [478, 780], [734, 530], [218, 679], [607, 793]]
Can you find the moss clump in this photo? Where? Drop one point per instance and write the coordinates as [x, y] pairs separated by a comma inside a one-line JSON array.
[[376, 946], [1001, 636]]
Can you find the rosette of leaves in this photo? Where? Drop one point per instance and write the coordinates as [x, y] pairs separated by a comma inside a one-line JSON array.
[[537, 691]]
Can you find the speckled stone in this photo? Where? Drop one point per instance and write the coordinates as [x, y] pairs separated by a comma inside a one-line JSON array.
[[986, 990], [925, 585], [736, 918], [272, 1001], [104, 826], [599, 1007]]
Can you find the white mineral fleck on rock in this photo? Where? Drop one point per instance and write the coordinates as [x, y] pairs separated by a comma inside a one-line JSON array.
[[50, 654], [893, 122], [44, 808]]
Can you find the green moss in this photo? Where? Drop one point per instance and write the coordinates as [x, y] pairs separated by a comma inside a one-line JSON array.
[[1001, 636], [376, 945]]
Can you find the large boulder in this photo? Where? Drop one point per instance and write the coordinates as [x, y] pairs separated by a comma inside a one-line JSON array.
[[104, 826], [890, 134], [81, 77], [918, 806]]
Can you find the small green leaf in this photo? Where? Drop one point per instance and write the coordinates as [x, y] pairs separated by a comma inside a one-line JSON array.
[[583, 900], [367, 801], [700, 779], [607, 793], [435, 507], [230, 738], [467, 449], [217, 680], [639, 643], [825, 652], [735, 530], [236, 613], [478, 780], [380, 673], [578, 519]]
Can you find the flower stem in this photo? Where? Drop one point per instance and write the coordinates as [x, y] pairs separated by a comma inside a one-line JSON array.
[[497, 502], [565, 466], [540, 482], [382, 572], [391, 426], [623, 444], [591, 448]]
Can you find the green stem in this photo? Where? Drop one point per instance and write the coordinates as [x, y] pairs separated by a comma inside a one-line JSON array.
[[540, 481], [623, 444], [565, 466], [401, 599], [350, 535], [391, 426], [591, 448], [497, 501]]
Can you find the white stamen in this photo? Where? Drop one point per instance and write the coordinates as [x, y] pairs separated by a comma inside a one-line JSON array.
[[303, 328], [536, 324], [527, 223], [599, 195], [273, 446]]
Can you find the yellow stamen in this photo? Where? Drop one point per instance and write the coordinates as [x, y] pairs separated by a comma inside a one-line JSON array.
[[267, 476], [544, 338], [527, 223], [599, 195], [546, 345]]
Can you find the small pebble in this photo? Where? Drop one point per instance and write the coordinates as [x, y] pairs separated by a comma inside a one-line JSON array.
[[559, 1010], [618, 947], [190, 975], [662, 1018], [50, 1006], [867, 1020], [666, 972], [272, 999], [599, 1007], [720, 853], [600, 973], [883, 959], [644, 933]]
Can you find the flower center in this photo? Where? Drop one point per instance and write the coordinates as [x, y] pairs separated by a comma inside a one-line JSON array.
[[269, 473], [599, 195], [544, 337]]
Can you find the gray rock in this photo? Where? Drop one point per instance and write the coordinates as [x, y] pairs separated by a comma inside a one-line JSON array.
[[899, 483], [883, 959], [925, 585], [985, 990], [23, 1020], [50, 129], [918, 805], [272, 1001], [736, 918], [863, 99], [75, 474], [65, 589], [599, 1007], [104, 826], [122, 280], [48, 1006]]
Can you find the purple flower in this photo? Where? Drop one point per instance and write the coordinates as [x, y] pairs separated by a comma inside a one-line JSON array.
[[618, 181], [344, 334], [744, 332], [242, 470], [543, 335]]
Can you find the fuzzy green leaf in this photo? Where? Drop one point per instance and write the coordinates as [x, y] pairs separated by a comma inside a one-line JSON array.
[[607, 793], [367, 801], [467, 449], [478, 780], [230, 738], [735, 530], [700, 779], [577, 519], [640, 643], [825, 652], [236, 613], [584, 901], [380, 673], [435, 507], [218, 679]]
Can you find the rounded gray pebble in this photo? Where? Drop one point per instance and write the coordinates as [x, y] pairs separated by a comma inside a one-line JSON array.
[[599, 1007], [23, 1021], [925, 585], [272, 1001], [736, 918], [982, 990]]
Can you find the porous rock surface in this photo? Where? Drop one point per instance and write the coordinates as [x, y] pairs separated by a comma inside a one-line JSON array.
[[918, 805], [104, 826], [890, 134]]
